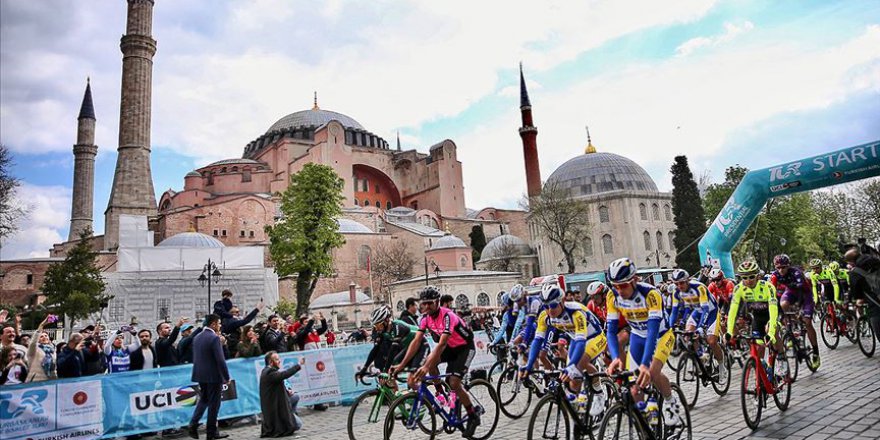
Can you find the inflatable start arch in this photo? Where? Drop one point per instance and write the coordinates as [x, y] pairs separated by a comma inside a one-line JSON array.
[[841, 166]]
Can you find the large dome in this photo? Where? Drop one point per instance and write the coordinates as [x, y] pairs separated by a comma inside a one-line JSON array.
[[595, 173], [505, 246], [313, 118], [191, 240]]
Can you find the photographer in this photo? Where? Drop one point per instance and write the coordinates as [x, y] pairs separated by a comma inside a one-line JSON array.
[[166, 354], [96, 361], [274, 338], [71, 362], [41, 356]]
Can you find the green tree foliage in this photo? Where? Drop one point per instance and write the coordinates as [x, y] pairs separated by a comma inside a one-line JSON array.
[[301, 242], [478, 242], [690, 222], [75, 287], [286, 307], [561, 219]]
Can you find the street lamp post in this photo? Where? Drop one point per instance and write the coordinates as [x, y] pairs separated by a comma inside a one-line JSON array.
[[210, 275]]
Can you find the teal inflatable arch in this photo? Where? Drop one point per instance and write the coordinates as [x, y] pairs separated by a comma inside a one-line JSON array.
[[841, 166]]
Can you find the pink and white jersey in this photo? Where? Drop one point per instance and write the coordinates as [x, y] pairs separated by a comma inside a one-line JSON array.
[[447, 322]]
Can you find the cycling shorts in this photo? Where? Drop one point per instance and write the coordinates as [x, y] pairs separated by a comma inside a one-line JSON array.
[[759, 323], [665, 343], [458, 359], [804, 300], [713, 324], [596, 346]]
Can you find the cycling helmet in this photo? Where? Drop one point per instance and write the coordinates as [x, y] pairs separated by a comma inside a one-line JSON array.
[[782, 260], [551, 294], [748, 268], [505, 299], [429, 293], [815, 262], [380, 315], [833, 266], [679, 275], [716, 274], [596, 288], [517, 292], [621, 270]]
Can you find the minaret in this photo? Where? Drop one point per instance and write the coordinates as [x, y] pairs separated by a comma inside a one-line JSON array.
[[84, 152], [132, 191], [398, 140], [529, 134]]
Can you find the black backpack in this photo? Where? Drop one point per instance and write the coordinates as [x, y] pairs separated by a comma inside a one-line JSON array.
[[873, 280]]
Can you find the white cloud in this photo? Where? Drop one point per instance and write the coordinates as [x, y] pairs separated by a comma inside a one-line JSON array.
[[513, 90], [731, 31], [48, 219]]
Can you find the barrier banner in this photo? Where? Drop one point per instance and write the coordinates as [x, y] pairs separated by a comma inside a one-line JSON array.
[[136, 402]]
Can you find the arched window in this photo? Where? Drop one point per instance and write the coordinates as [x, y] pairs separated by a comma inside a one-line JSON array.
[[482, 299], [588, 247], [356, 202], [364, 257], [366, 203], [659, 240], [656, 211], [401, 306], [498, 299], [671, 241], [643, 211], [667, 211], [647, 237], [603, 215], [607, 245], [463, 261], [462, 301], [388, 204], [378, 204]]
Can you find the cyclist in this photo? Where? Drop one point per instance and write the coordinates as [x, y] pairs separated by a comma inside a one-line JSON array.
[[597, 292], [584, 332], [704, 311], [842, 279], [530, 306], [796, 293], [650, 342], [508, 319], [455, 348], [722, 288], [824, 279], [760, 301], [390, 340]]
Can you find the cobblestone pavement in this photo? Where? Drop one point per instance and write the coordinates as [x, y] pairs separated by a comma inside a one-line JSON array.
[[840, 401]]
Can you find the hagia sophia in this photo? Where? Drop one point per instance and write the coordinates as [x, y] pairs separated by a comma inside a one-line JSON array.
[[414, 196]]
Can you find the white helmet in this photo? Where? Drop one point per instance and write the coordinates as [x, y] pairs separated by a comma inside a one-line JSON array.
[[716, 274], [621, 270], [516, 292], [596, 288], [380, 315], [679, 275]]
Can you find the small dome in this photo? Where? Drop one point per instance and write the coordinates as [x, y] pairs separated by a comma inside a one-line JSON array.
[[193, 174], [595, 173], [313, 118], [448, 241], [191, 240], [505, 246], [400, 210], [234, 162], [348, 226]]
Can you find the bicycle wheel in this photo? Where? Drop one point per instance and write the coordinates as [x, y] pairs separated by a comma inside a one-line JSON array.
[[619, 422], [496, 369], [483, 396], [751, 395], [687, 376], [514, 397], [830, 336], [549, 421], [721, 379], [783, 383], [398, 417], [792, 350], [681, 431], [867, 340], [674, 356], [366, 416], [852, 322]]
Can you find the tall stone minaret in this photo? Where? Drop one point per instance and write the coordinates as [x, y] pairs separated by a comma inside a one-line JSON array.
[[84, 152], [529, 134], [132, 191]]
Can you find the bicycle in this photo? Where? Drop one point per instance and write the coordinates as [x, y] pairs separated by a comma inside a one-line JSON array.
[[561, 413], [794, 339], [624, 419], [864, 332], [693, 372], [421, 408], [502, 355], [832, 325], [362, 426], [758, 383]]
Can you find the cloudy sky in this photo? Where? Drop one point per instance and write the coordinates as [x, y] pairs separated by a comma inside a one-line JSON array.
[[724, 82]]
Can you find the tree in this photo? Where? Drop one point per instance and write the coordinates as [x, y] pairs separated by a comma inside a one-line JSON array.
[[560, 218], [75, 287], [301, 242], [478, 242], [505, 256], [286, 307], [11, 212], [690, 221], [716, 194], [392, 263]]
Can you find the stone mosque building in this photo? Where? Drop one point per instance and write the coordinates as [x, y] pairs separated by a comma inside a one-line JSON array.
[[392, 195]]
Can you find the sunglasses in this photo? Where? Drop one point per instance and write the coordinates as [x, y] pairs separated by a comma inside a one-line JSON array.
[[749, 277]]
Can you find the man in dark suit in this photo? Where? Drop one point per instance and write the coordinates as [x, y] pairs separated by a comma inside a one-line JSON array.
[[210, 372]]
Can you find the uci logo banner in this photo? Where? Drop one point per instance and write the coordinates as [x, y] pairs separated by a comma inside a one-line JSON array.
[[170, 398]]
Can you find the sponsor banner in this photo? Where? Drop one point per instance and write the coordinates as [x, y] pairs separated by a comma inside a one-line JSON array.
[[482, 359], [71, 410]]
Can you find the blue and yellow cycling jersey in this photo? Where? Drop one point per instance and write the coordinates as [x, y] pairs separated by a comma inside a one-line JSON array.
[[644, 304], [697, 297], [575, 321]]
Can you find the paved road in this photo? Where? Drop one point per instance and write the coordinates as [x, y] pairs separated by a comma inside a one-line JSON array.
[[840, 401]]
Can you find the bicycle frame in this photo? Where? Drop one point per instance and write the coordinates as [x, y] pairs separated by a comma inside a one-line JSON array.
[[625, 382], [451, 418], [689, 344], [762, 382], [386, 395]]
